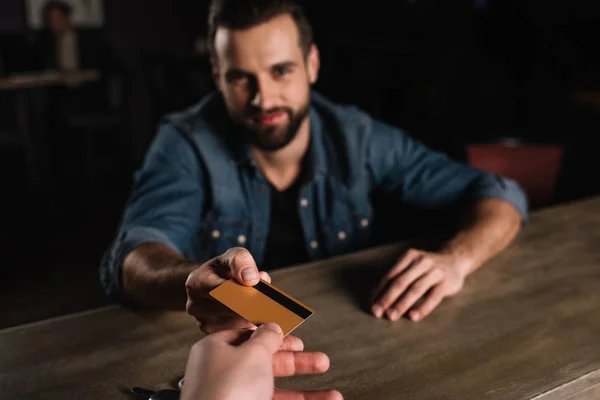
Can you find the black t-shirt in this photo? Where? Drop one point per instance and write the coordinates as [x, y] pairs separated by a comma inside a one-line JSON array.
[[285, 244]]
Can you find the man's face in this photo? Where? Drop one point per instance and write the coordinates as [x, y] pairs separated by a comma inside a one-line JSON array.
[[58, 21], [265, 80]]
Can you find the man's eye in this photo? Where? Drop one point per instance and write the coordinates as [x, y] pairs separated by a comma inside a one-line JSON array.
[[281, 71]]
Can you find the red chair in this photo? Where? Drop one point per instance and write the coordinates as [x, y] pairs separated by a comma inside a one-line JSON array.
[[535, 167]]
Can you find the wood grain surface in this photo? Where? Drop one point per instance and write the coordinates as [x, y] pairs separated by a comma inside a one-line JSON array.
[[525, 326]]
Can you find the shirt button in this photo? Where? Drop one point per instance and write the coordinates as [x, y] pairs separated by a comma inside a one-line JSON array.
[[216, 234], [314, 244], [304, 202], [262, 189], [342, 235], [364, 222], [241, 239]]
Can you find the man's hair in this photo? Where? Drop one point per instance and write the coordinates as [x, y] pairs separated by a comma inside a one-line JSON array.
[[55, 5], [244, 14]]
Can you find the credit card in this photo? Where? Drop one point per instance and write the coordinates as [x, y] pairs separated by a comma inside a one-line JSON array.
[[262, 303]]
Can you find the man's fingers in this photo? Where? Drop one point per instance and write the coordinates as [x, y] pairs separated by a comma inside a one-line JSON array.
[[205, 278], [290, 363], [432, 300], [269, 336], [206, 308], [411, 257], [399, 285], [291, 343], [285, 394], [217, 324], [416, 291], [242, 265]]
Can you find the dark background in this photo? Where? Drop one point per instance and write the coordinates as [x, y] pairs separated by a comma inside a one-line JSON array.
[[452, 73]]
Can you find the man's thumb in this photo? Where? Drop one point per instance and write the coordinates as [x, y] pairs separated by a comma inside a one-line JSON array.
[[242, 266]]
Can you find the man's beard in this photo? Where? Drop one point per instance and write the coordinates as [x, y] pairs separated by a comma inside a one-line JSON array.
[[270, 138]]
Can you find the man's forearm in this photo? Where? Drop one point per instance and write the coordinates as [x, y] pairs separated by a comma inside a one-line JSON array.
[[491, 226], [154, 276]]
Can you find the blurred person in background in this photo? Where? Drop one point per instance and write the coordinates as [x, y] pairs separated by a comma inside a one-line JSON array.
[[62, 46]]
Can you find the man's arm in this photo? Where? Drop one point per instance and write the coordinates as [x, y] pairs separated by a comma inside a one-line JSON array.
[[148, 257], [155, 275], [148, 263], [413, 174], [491, 225]]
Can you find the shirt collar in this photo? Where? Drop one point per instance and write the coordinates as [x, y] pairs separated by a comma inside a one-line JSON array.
[[316, 157]]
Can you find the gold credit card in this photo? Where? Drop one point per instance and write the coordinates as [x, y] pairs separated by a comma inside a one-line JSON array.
[[262, 303]]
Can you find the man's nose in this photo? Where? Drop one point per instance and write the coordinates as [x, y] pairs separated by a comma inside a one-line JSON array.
[[265, 95]]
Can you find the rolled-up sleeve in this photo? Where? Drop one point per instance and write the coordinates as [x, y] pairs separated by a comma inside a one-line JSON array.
[[494, 186], [418, 175], [164, 206]]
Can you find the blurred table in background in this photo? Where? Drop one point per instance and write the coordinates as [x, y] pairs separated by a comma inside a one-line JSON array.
[[48, 78]]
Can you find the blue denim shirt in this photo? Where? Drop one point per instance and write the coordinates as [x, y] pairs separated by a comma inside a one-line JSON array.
[[199, 192]]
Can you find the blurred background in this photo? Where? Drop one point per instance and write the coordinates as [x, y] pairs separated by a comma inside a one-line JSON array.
[[508, 86]]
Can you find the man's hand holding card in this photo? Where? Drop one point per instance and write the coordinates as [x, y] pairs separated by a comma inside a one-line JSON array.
[[236, 263], [228, 292]]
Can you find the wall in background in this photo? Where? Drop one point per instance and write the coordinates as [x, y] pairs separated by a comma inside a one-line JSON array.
[[12, 17]]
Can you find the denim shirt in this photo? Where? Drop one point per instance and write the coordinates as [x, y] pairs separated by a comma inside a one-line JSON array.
[[199, 192]]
